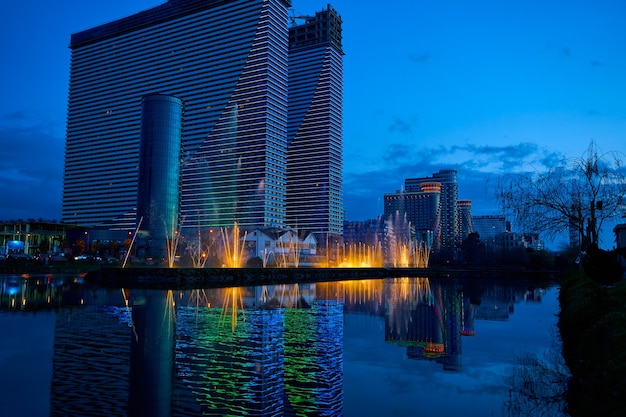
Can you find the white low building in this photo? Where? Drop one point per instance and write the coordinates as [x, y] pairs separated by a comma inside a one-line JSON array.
[[280, 247]]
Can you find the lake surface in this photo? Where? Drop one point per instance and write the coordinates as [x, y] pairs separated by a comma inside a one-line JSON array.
[[383, 347]]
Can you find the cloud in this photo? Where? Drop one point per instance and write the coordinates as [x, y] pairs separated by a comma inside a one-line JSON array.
[[15, 116], [396, 153], [401, 125], [479, 168], [420, 58], [31, 170]]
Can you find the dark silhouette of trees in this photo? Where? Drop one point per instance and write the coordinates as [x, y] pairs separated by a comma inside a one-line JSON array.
[[580, 194], [602, 266], [472, 249]]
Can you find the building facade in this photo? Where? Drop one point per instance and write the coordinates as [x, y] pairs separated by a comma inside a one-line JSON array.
[[420, 209], [314, 132], [158, 200], [32, 237], [448, 234], [488, 227], [229, 62], [464, 210]]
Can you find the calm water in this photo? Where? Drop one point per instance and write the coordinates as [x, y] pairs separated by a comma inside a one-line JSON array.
[[396, 347]]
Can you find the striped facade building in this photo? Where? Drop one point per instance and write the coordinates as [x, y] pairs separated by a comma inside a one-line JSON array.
[[314, 153], [229, 61]]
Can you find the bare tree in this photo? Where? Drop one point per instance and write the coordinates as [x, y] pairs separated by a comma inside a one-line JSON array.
[[581, 194]]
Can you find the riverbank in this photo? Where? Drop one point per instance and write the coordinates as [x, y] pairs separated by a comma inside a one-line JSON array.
[[592, 323], [192, 278]]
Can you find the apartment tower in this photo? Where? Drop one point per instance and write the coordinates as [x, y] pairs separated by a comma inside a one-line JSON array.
[[231, 63], [448, 221], [314, 131]]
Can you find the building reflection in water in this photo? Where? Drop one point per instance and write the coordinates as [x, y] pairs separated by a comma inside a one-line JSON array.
[[269, 350], [152, 354]]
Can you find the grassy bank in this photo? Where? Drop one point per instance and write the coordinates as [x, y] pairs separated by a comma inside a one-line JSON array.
[[593, 329]]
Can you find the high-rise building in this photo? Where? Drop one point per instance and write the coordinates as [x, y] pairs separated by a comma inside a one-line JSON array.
[[314, 131], [159, 171], [464, 210], [228, 61], [449, 232], [488, 227], [419, 209]]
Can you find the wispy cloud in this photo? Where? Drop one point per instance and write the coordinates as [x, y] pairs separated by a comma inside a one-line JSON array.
[[31, 170], [419, 58], [566, 52], [403, 125], [478, 166]]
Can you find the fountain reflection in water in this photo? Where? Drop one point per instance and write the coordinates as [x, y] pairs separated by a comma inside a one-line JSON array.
[[233, 307]]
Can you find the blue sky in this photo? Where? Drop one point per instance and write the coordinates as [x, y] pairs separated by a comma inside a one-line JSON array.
[[483, 87]]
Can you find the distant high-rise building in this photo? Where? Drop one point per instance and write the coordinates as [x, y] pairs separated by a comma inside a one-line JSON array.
[[464, 209], [488, 227], [314, 131], [419, 209], [449, 225], [228, 60]]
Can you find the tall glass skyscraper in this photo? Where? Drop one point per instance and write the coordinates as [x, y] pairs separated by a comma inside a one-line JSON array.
[[158, 200], [228, 61], [314, 152]]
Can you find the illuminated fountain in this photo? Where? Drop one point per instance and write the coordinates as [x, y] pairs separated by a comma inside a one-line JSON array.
[[410, 254], [171, 241], [400, 250], [199, 251], [266, 256], [403, 251], [132, 242], [359, 255], [234, 246], [289, 250]]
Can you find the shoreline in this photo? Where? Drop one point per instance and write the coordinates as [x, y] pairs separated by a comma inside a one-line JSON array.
[[193, 278]]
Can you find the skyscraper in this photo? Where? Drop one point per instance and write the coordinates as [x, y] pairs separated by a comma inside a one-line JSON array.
[[314, 132], [464, 209], [228, 61], [420, 208], [449, 224], [488, 227], [158, 198]]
